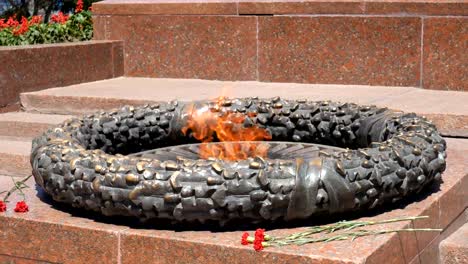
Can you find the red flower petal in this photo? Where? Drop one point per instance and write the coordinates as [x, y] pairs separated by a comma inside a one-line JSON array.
[[79, 6], [258, 246], [259, 238], [244, 238], [3, 206], [35, 20], [260, 234], [21, 207]]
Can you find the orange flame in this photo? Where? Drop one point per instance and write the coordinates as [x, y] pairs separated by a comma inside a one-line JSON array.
[[210, 126]]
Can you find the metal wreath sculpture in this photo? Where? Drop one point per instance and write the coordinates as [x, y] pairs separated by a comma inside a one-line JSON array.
[[388, 155]]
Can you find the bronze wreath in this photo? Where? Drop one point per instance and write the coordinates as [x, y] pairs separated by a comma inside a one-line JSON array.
[[388, 155]]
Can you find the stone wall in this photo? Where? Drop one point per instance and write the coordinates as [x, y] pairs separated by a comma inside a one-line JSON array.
[[32, 68], [402, 43]]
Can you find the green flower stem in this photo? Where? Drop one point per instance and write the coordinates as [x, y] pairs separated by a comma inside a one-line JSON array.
[[18, 185], [348, 235], [346, 225]]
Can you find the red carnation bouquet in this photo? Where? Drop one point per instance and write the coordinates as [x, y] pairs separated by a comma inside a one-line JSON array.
[[344, 230]]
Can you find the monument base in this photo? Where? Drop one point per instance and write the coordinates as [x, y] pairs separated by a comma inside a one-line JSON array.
[[52, 233]]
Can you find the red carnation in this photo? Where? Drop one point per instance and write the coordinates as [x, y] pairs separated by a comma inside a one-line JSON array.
[[259, 238], [21, 207], [258, 245], [2, 206], [79, 6], [260, 234], [246, 239]]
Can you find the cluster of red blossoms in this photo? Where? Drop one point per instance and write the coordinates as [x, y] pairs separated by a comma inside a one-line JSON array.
[[259, 239], [79, 6], [19, 28], [11, 22], [21, 207], [35, 20], [59, 18], [22, 27]]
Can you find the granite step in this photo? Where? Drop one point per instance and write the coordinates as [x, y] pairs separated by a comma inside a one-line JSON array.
[[84, 237], [17, 129], [27, 125], [454, 249], [447, 109], [14, 155]]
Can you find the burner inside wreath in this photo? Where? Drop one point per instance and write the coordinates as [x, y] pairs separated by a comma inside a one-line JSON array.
[[232, 136], [243, 149]]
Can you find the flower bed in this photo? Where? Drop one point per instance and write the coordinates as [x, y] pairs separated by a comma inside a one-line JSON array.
[[61, 28]]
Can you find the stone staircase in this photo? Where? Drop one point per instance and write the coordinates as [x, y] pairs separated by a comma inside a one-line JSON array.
[[91, 238], [16, 132], [454, 249]]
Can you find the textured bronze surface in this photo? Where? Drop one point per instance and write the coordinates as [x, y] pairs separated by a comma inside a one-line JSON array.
[[88, 162]]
